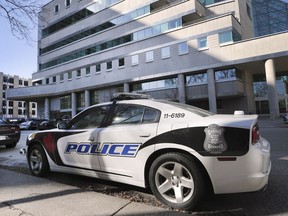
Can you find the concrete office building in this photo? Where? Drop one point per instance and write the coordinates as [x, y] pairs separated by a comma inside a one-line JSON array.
[[15, 109], [199, 52]]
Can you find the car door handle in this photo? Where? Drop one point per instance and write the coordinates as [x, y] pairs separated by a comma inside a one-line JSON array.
[[145, 135], [91, 139]]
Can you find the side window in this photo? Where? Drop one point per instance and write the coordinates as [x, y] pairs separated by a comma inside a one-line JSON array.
[[91, 118], [127, 114], [150, 116], [132, 114]]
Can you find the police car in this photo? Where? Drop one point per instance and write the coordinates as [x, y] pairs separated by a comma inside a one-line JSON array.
[[177, 150]]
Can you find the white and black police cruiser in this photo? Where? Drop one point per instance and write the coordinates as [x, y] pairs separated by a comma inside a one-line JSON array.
[[177, 150]]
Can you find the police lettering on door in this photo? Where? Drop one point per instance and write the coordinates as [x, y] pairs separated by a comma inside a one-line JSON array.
[[107, 149]]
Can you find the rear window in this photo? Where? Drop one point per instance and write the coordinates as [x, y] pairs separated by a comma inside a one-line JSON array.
[[195, 110]]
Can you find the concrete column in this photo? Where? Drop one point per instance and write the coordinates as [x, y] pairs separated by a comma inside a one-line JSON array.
[[73, 104], [126, 88], [87, 98], [212, 91], [27, 110], [272, 90], [47, 108], [181, 89]]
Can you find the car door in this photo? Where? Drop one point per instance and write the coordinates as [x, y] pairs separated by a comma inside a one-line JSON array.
[[80, 149], [130, 126]]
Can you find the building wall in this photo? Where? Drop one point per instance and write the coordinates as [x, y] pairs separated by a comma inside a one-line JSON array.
[[14, 109], [198, 22]]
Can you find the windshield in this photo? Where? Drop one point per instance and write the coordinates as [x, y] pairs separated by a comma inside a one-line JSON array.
[[195, 110]]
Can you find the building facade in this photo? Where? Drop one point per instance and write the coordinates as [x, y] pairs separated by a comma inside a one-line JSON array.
[[199, 52], [270, 16], [15, 109]]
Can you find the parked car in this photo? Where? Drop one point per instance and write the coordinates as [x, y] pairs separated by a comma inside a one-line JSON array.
[[28, 125], [46, 125], [9, 134], [179, 151]]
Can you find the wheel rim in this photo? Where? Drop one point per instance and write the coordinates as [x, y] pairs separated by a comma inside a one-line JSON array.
[[36, 161], [174, 182]]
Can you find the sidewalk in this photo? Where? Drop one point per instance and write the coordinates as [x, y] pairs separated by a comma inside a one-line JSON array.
[[26, 195], [267, 122]]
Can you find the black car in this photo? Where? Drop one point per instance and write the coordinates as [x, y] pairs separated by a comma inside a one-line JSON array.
[[9, 134], [46, 125]]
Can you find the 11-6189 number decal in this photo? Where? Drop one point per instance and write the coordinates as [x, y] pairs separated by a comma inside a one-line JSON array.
[[174, 115]]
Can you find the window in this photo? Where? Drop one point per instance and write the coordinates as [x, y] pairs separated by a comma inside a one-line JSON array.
[[121, 62], [196, 78], [61, 77], [159, 84], [127, 114], [165, 52], [70, 75], [149, 56], [78, 73], [183, 48], [202, 43], [81, 100], [87, 71], [56, 8], [91, 118], [47, 80], [109, 65], [67, 3], [94, 97], [65, 102], [135, 59], [98, 68], [229, 36], [228, 74], [225, 37], [130, 114], [54, 79]]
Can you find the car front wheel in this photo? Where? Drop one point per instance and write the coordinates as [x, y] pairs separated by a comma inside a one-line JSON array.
[[176, 181], [38, 162]]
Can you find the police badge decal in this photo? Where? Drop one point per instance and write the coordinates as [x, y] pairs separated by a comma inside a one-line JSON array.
[[214, 141]]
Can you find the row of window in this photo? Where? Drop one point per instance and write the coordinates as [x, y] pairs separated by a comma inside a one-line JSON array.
[[10, 80], [117, 21], [183, 48], [82, 14], [95, 48], [21, 104], [20, 112], [226, 74], [224, 38]]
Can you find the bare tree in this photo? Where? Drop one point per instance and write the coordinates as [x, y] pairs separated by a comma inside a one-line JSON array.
[[22, 16]]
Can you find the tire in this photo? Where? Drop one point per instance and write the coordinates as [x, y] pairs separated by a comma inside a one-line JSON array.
[[9, 146], [38, 162], [175, 180]]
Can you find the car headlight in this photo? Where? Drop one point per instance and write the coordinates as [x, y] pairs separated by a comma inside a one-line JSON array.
[[31, 136]]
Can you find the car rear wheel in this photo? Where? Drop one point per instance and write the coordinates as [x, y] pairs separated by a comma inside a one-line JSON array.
[[38, 162], [176, 181]]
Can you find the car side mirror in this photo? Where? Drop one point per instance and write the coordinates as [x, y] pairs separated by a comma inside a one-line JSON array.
[[62, 125]]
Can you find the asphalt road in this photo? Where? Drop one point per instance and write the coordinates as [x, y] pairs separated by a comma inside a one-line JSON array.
[[272, 201]]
